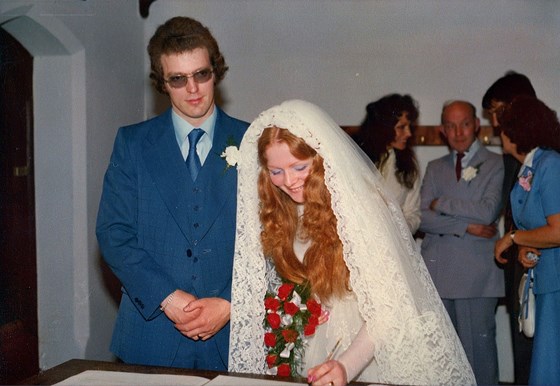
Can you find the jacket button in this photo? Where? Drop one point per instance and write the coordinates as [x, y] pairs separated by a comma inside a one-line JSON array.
[[139, 302], [189, 253]]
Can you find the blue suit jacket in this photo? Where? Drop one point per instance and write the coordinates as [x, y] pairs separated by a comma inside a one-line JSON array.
[[531, 208], [159, 231], [462, 265]]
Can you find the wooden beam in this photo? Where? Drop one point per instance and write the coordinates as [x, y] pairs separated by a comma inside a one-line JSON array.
[[430, 135]]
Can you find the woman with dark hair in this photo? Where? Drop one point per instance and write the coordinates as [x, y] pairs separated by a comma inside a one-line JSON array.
[[385, 137], [530, 132]]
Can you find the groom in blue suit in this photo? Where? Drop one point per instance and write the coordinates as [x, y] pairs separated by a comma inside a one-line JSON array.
[[460, 202], [166, 221]]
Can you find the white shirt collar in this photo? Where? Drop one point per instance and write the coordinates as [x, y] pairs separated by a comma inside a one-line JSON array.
[[469, 154], [528, 162], [183, 128]]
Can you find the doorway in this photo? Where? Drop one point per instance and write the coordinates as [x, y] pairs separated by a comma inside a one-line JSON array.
[[18, 268]]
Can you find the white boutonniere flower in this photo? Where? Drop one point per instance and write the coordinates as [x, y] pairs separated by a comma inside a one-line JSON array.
[[231, 155], [470, 172]]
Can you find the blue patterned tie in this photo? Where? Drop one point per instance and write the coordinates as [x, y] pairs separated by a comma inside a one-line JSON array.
[[193, 162]]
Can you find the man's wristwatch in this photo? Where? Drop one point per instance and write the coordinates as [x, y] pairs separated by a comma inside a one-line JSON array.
[[512, 236]]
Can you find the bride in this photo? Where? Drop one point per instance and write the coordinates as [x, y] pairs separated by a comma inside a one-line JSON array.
[[312, 210]]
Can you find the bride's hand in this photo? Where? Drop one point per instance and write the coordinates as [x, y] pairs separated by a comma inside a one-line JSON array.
[[330, 373], [324, 318]]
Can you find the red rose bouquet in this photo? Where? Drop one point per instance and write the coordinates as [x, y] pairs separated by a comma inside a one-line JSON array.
[[292, 315]]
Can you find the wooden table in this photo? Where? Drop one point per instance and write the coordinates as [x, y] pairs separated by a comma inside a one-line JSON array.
[[76, 366]]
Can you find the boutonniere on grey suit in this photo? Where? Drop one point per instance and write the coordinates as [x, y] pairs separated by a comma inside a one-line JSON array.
[[470, 172], [230, 154]]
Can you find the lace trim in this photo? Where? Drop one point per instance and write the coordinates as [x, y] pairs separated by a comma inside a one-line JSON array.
[[415, 342]]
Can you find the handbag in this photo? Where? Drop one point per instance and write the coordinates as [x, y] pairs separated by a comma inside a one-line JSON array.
[[526, 316]]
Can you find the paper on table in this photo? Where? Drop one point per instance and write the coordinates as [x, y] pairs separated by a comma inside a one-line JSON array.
[[116, 378], [223, 380]]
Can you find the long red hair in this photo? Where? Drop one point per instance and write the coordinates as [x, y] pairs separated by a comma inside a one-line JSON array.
[[323, 264]]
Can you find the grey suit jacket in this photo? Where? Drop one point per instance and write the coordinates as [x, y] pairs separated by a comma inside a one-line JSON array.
[[462, 265]]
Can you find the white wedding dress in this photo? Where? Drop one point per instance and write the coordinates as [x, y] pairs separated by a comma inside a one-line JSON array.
[[407, 330], [344, 325], [408, 199]]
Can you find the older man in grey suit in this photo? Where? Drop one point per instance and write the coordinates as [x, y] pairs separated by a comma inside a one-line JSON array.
[[460, 202]]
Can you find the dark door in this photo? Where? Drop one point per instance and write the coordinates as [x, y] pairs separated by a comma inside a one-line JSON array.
[[18, 269]]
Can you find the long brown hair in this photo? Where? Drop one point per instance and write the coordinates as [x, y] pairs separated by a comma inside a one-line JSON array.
[[378, 131], [323, 265]]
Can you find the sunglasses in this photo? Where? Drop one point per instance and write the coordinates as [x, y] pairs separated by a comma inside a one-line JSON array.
[[180, 81]]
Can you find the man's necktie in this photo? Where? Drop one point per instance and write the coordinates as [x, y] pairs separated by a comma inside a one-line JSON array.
[[193, 161], [458, 165]]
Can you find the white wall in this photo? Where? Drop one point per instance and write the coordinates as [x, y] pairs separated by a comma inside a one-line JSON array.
[[343, 54], [88, 77], [339, 54]]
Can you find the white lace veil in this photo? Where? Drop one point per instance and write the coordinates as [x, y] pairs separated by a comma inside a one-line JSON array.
[[415, 342]]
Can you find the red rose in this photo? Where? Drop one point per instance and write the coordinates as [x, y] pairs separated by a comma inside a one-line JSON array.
[[314, 307], [274, 320], [290, 308], [313, 321], [284, 370], [290, 335], [271, 304], [309, 330], [270, 339], [271, 360], [285, 290]]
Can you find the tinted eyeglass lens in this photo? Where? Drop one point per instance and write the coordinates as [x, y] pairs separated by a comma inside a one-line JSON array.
[[202, 76], [179, 81]]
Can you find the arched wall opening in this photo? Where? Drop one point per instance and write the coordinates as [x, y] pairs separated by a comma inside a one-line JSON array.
[[59, 114]]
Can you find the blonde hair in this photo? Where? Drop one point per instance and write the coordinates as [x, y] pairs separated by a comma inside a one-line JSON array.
[[323, 264]]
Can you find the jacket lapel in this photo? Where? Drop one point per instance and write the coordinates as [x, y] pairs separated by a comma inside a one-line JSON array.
[[480, 156], [165, 164]]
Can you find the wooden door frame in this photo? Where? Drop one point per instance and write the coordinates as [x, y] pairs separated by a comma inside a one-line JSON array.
[[18, 266], [64, 261]]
